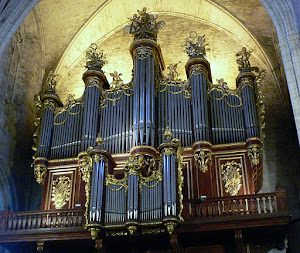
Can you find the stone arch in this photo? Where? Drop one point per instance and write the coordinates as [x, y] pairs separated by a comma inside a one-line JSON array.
[[13, 15], [283, 17]]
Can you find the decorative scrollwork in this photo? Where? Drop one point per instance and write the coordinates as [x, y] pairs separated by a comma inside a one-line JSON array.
[[40, 172], [170, 227], [198, 69], [61, 191], [155, 176], [225, 91], [195, 45], [144, 25], [117, 90], [143, 52], [50, 83], [112, 180], [259, 80], [96, 59], [254, 152], [231, 177], [71, 102], [85, 167], [202, 159]]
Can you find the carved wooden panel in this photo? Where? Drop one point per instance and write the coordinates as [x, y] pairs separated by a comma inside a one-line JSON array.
[[63, 188]]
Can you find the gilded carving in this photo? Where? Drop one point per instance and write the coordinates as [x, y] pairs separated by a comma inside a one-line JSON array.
[[172, 74], [231, 172], [143, 52], [221, 84], [172, 84], [116, 91], [169, 151], [243, 60], [95, 233], [132, 229], [117, 80], [168, 133], [254, 154], [202, 159], [195, 45], [96, 59], [111, 180], [85, 167], [198, 69], [144, 25], [40, 172], [170, 227], [259, 80], [61, 191]]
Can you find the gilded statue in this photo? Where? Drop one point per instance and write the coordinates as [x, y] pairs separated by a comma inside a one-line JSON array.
[[195, 45], [172, 74], [50, 83], [222, 84], [117, 82], [95, 58], [243, 60], [144, 25]]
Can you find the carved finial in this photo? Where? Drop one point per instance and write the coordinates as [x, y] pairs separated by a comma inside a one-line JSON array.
[[173, 74], [144, 26], [222, 84], [95, 58], [168, 133], [50, 83], [117, 82], [195, 45], [99, 140], [243, 61]]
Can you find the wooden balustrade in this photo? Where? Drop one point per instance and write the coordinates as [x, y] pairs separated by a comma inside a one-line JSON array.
[[16, 221], [257, 204]]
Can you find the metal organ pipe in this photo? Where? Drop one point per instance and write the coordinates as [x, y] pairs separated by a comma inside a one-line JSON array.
[[199, 104], [249, 102], [144, 97]]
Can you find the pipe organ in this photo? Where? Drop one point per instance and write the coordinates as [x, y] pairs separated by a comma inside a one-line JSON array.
[[132, 154]]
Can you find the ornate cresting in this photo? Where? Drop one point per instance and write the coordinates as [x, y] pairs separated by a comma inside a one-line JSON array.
[[95, 81], [148, 64], [46, 102], [198, 71]]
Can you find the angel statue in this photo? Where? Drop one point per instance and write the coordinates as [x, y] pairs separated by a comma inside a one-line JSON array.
[[143, 25], [243, 60], [173, 74], [195, 44]]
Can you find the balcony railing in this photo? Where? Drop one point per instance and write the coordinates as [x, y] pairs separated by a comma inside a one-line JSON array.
[[24, 221], [257, 204]]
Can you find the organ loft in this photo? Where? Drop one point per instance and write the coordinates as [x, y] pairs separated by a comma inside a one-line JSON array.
[[158, 164]]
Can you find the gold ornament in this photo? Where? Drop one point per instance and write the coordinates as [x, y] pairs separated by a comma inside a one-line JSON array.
[[232, 177], [61, 191], [202, 158], [40, 172]]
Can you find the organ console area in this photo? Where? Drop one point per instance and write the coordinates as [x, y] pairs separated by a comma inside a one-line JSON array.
[[158, 154]]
